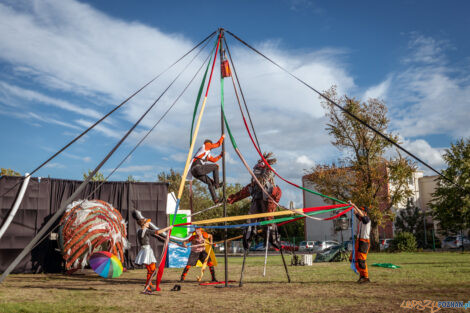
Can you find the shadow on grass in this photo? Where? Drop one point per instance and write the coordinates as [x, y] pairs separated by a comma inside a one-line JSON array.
[[427, 263], [62, 288]]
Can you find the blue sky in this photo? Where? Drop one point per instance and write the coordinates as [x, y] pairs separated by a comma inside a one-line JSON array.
[[65, 63]]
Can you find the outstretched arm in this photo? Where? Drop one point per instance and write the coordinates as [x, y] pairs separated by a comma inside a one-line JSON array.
[[210, 146], [357, 211], [242, 194]]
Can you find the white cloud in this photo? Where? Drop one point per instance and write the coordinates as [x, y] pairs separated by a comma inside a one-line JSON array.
[[305, 5], [25, 95], [429, 96], [378, 91], [423, 150], [113, 133], [135, 169], [77, 44], [55, 165], [305, 160], [426, 50], [72, 51]]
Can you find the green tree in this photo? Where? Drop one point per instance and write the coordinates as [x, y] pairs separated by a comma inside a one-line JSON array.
[[201, 200], [8, 172], [451, 202], [131, 178], [98, 176], [411, 220], [403, 242], [364, 173]]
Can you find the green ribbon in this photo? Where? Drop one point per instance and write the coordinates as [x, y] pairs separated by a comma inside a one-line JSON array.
[[201, 88]]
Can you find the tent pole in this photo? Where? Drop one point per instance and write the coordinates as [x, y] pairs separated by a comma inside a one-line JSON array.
[[224, 196]]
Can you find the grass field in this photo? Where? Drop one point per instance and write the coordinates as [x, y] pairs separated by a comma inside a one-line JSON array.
[[323, 287]]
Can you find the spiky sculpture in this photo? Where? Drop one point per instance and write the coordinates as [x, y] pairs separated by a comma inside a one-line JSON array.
[[262, 172], [88, 226]]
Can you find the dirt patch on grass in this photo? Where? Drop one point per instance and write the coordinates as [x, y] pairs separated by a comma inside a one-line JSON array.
[[323, 287]]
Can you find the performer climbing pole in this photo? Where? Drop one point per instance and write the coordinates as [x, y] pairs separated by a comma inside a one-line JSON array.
[[224, 72], [161, 266]]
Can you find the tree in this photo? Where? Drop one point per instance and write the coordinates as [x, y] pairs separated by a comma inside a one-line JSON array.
[[411, 220], [451, 202], [131, 179], [202, 200], [403, 242], [8, 172], [98, 176], [364, 173]]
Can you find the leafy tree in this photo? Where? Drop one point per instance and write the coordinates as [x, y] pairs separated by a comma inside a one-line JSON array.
[[403, 242], [131, 178], [411, 220], [201, 200], [293, 230], [451, 203], [363, 173], [98, 176], [8, 172]]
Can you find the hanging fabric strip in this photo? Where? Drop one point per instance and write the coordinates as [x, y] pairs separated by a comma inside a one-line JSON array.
[[257, 148], [261, 215], [198, 99], [353, 257], [186, 168], [269, 222], [235, 147]]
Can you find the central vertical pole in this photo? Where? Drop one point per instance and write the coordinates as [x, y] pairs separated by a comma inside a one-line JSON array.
[[222, 57]]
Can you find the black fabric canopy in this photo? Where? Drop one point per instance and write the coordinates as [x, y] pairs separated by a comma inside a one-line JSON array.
[[43, 198]]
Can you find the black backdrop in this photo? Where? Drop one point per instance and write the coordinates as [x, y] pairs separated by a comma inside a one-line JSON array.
[[43, 198]]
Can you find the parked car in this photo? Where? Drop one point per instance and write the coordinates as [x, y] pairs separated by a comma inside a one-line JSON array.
[[323, 245], [385, 244], [257, 247], [289, 246], [348, 245], [454, 242], [307, 245]]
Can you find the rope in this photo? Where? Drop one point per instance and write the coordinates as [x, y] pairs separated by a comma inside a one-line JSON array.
[[241, 92], [59, 212], [261, 215], [235, 147], [275, 221], [257, 146], [108, 114], [347, 111], [155, 125], [201, 87], [185, 172], [206, 209]]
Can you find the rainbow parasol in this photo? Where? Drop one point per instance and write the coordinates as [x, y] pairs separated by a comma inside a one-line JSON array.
[[105, 264]]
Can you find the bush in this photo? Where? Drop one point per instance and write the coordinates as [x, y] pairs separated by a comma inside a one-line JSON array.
[[403, 242]]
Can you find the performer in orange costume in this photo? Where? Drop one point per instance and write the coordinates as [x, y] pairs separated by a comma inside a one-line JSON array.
[[198, 252], [204, 163], [362, 243]]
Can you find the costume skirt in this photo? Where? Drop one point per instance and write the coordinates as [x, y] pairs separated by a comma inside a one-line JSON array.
[[145, 256]]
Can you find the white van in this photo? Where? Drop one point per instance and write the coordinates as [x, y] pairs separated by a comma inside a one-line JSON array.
[[306, 245]]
